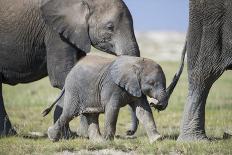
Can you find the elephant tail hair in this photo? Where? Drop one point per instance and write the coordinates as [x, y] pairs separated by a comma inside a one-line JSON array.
[[47, 110]]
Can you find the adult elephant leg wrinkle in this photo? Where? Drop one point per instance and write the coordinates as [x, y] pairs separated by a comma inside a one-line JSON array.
[[5, 124], [193, 121]]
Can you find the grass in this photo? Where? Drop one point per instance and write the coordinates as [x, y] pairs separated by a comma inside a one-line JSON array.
[[24, 104]]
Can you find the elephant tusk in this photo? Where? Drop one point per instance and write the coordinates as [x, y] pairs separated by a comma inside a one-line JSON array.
[[153, 102]]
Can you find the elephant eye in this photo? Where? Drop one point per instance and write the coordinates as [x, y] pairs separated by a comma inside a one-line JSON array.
[[110, 26], [151, 82]]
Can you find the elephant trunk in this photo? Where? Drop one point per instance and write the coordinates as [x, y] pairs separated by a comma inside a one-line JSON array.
[[163, 103], [126, 43], [126, 47]]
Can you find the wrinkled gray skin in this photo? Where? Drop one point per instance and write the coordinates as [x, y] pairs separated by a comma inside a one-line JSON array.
[[100, 85], [40, 38], [209, 54]]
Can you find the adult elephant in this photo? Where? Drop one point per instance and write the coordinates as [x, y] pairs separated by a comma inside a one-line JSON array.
[[209, 54], [40, 38]]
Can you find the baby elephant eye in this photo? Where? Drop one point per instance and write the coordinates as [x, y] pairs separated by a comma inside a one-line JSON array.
[[110, 26], [151, 82]]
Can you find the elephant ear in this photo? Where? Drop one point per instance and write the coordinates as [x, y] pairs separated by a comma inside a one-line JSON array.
[[69, 19], [124, 72]]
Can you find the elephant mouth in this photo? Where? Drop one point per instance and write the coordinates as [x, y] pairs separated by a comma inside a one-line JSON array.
[[156, 104], [106, 47]]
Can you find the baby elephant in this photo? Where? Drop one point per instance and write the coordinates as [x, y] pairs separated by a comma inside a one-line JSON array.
[[102, 85]]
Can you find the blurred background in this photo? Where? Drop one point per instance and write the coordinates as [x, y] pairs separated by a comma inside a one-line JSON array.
[[160, 27]]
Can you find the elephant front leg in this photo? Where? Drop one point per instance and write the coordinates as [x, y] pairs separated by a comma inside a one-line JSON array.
[[6, 128], [111, 116], [134, 123], [144, 114]]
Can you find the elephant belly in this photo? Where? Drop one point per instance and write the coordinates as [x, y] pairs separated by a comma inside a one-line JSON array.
[[88, 102], [18, 66], [92, 107]]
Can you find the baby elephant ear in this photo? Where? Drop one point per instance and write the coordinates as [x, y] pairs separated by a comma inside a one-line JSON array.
[[124, 73], [69, 19]]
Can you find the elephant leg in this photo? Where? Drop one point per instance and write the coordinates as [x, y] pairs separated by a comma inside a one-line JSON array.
[[61, 57], [145, 116], [82, 131], [6, 128], [111, 116], [66, 131], [134, 122], [93, 127], [55, 131], [193, 121]]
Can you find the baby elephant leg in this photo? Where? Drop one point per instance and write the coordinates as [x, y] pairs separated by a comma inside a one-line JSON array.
[[111, 116], [82, 130], [134, 123], [54, 132], [144, 114], [93, 127]]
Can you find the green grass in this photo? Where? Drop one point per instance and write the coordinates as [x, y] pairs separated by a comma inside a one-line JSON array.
[[24, 104]]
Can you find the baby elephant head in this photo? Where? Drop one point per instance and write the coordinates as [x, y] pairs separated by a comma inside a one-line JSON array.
[[140, 76]]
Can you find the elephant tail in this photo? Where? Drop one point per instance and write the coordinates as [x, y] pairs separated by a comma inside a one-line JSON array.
[[176, 77], [47, 110]]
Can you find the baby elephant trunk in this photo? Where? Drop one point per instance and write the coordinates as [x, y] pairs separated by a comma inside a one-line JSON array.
[[162, 103], [159, 102]]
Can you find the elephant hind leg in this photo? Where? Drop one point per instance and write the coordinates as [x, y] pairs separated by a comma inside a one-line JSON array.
[[193, 121], [55, 131], [66, 131], [6, 128], [93, 127], [82, 130]]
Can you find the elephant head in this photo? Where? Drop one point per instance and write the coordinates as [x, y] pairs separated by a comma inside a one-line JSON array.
[[105, 24], [141, 76]]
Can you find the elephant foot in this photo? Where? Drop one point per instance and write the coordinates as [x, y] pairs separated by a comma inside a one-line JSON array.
[[67, 133], [54, 134], [130, 132], [8, 132], [227, 135], [82, 133], [192, 137], [155, 138], [6, 128], [108, 137]]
